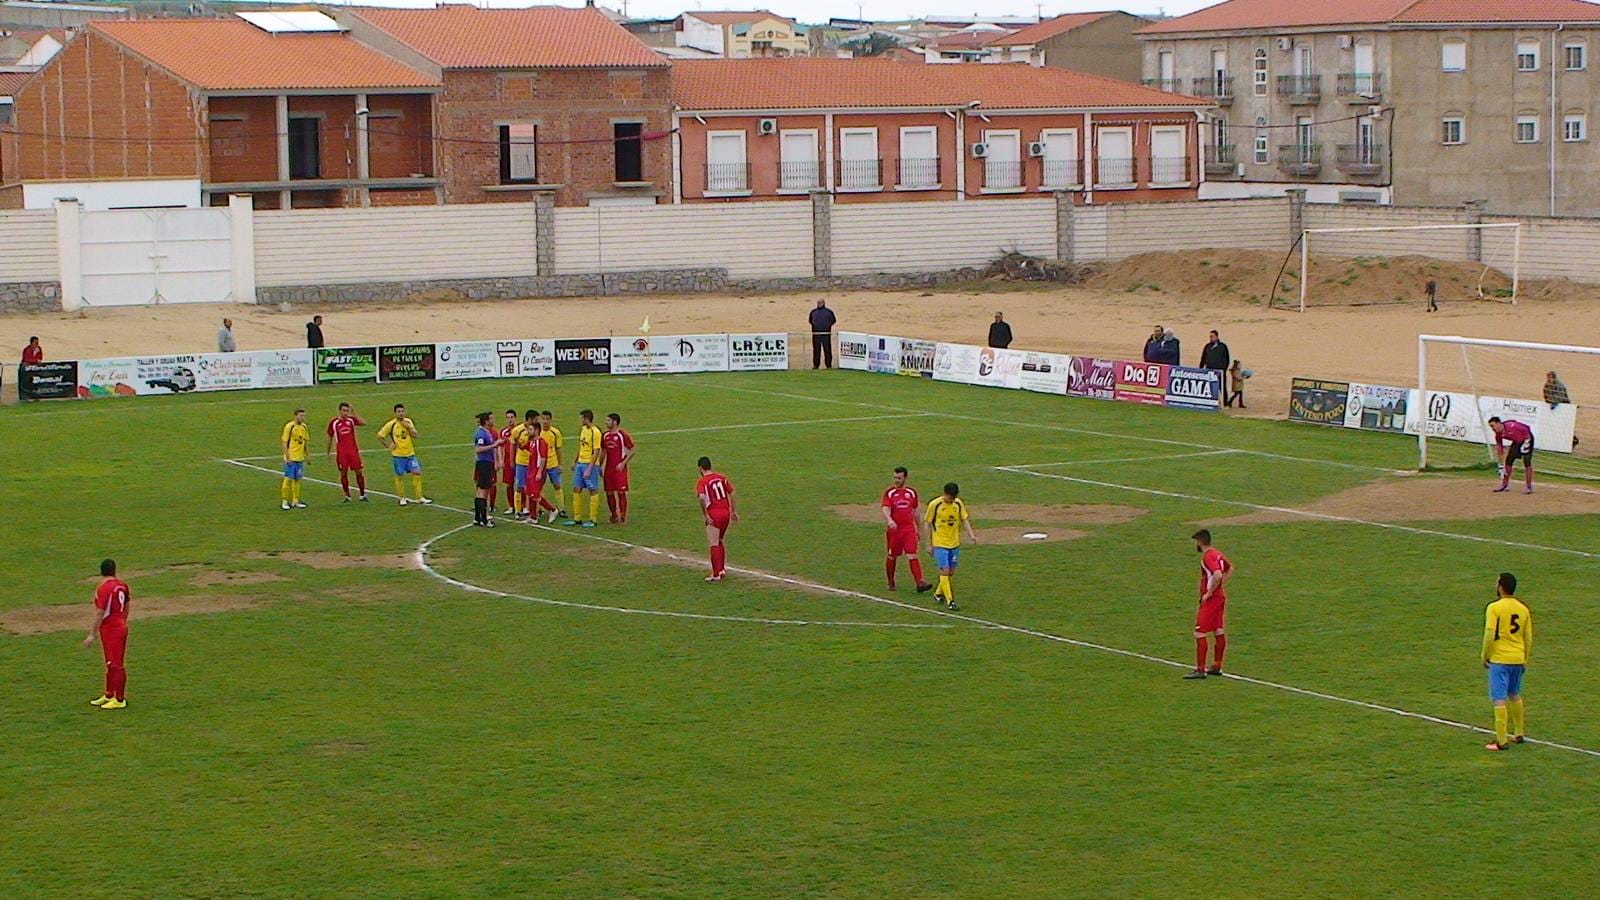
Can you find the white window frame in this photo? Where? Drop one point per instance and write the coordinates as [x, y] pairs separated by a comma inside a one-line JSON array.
[[877, 154], [1045, 134], [989, 134], [1260, 72], [1261, 150], [1583, 56], [1444, 55], [1460, 123], [1569, 135], [1531, 123], [1527, 49], [816, 158], [900, 183], [1133, 159], [1183, 139], [744, 158]]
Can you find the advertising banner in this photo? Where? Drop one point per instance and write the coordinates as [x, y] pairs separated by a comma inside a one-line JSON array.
[[1088, 376], [697, 353], [853, 351], [254, 369], [531, 358], [1000, 368], [640, 355], [48, 380], [466, 359], [583, 356], [883, 354], [1377, 407], [1142, 382], [405, 362], [137, 376], [346, 365], [758, 352], [1455, 416], [955, 362], [1046, 373], [1318, 402], [916, 358], [1194, 388]]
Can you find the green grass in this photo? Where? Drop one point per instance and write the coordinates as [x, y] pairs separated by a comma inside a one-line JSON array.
[[374, 731]]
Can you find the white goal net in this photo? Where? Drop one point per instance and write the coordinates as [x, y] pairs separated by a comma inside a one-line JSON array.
[[1398, 263], [1552, 388]]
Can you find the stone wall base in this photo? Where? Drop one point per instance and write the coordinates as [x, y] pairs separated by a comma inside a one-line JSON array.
[[30, 296]]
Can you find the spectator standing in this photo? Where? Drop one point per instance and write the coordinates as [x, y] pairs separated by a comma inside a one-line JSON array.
[[1555, 393], [1236, 379], [1152, 345], [999, 332], [314, 333], [225, 341], [1169, 349], [1431, 288], [822, 321], [33, 354], [1215, 354]]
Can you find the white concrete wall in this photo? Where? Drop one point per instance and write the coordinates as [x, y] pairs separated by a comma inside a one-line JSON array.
[[343, 246], [1315, 193], [750, 240], [1448, 244], [1125, 229], [931, 236], [28, 246], [95, 196], [701, 35]]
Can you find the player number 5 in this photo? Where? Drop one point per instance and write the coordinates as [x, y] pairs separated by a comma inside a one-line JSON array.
[[1515, 625]]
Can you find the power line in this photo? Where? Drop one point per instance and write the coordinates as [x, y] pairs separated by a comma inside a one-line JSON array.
[[274, 135]]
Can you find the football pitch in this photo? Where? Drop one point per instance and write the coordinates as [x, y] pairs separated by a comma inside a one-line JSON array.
[[363, 699]]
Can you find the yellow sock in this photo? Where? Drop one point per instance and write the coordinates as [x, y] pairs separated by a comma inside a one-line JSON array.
[[594, 507], [399, 487], [294, 488], [577, 504], [517, 501], [1517, 723], [561, 498], [416, 482], [944, 588], [1500, 724], [283, 489]]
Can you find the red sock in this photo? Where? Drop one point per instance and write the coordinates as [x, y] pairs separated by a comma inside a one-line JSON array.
[[111, 681], [344, 481], [1199, 653], [916, 569], [719, 558], [117, 682], [546, 505], [361, 481], [1222, 642], [611, 503], [622, 505], [888, 569], [494, 493]]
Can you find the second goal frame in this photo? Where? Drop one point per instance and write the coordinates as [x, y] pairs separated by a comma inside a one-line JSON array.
[[1516, 246]]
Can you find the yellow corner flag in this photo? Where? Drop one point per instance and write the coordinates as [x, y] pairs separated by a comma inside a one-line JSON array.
[[645, 328]]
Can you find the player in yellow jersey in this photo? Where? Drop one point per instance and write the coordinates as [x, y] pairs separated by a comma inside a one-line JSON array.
[[295, 437], [1507, 644], [554, 444], [399, 435], [521, 455], [945, 518], [586, 472]]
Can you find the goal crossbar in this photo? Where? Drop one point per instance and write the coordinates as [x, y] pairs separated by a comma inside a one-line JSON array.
[[1306, 233]]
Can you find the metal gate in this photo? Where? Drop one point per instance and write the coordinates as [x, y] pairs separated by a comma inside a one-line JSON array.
[[136, 257]]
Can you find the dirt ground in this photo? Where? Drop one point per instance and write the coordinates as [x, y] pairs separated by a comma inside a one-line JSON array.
[[76, 616], [1052, 521], [1375, 343], [1433, 499]]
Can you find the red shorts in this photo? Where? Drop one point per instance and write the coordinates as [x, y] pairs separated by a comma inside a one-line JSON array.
[[902, 540], [615, 480], [533, 482], [1209, 617], [114, 644], [720, 518], [348, 458], [508, 472]]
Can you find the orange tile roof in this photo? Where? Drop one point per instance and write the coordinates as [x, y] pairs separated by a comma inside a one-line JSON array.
[[821, 83], [466, 37], [11, 82], [233, 55], [1234, 15], [1048, 29], [736, 17], [963, 39]]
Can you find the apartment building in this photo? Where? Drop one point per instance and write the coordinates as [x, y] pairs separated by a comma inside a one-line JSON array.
[[753, 34], [1415, 102], [873, 130], [1100, 43]]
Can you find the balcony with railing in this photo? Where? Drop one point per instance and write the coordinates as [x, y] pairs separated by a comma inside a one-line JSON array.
[[1300, 159], [860, 174], [1217, 88], [1166, 171], [799, 175], [728, 178], [1062, 173], [1300, 88], [1002, 174], [1360, 159], [1361, 87], [1222, 161], [1115, 170], [1170, 85], [917, 174]]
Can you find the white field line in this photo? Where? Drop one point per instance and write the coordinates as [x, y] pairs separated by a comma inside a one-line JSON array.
[[734, 427], [1303, 513], [1127, 459], [427, 545], [1029, 632]]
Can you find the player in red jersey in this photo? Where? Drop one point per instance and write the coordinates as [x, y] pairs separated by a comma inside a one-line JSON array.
[[342, 439], [111, 625], [901, 516], [533, 482], [508, 474], [716, 502], [616, 449], [1520, 437], [1215, 570]]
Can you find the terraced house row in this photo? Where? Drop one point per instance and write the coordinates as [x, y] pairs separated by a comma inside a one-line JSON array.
[[366, 107]]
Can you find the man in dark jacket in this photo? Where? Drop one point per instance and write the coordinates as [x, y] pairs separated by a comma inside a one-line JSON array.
[[1215, 355], [1167, 351], [822, 321], [1152, 346], [314, 333], [999, 332]]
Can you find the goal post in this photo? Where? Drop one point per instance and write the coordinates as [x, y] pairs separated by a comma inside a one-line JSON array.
[[1515, 229], [1463, 381]]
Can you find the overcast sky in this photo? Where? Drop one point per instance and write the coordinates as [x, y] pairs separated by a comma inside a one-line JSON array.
[[822, 10]]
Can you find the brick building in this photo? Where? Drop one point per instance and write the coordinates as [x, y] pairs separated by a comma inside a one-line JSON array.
[[129, 114], [547, 99], [872, 130]]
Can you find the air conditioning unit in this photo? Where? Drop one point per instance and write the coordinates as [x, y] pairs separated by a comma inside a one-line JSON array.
[[980, 150], [1036, 148], [767, 126], [1346, 42], [1285, 44]]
